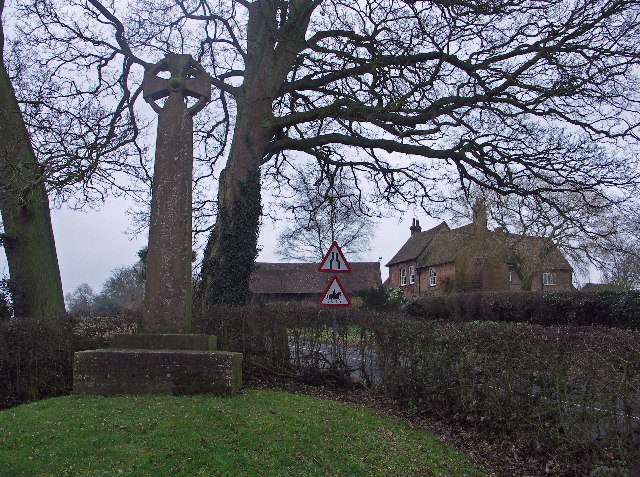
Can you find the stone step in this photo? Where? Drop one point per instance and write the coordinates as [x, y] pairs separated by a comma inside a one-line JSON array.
[[152, 371], [194, 342]]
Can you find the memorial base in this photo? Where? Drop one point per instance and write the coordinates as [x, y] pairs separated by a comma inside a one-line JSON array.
[[164, 341], [135, 365]]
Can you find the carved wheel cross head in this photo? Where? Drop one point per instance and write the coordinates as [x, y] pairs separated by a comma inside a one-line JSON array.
[[188, 78]]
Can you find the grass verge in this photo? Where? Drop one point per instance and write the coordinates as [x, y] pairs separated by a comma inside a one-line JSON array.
[[257, 433]]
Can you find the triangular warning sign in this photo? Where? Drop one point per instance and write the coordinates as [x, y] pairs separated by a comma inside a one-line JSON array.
[[334, 295], [334, 261]]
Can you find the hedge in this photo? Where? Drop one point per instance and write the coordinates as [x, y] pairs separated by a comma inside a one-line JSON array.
[[36, 356], [620, 309], [564, 391]]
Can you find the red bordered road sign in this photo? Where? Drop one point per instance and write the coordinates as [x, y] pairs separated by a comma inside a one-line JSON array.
[[334, 295], [334, 261]]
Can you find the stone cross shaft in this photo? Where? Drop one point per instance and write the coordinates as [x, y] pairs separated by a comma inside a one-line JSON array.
[[168, 292]]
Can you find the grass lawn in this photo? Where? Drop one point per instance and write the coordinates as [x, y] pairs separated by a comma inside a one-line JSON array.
[[256, 433]]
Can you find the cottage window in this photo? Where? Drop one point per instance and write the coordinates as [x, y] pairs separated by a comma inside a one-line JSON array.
[[403, 277], [549, 279], [432, 277], [411, 275]]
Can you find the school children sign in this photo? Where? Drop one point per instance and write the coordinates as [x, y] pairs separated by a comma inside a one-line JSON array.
[[334, 262]]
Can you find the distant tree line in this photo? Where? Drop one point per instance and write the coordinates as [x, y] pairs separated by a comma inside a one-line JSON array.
[[123, 290]]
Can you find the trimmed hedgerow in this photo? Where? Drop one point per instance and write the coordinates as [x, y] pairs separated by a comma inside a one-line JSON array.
[[35, 359], [563, 389], [619, 309], [36, 356], [566, 392]]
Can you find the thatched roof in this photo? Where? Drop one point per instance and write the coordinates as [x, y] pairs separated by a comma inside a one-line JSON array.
[[595, 287], [417, 244], [304, 278], [445, 246], [528, 246], [441, 245]]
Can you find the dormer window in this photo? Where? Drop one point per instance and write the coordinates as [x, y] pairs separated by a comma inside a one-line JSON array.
[[549, 279]]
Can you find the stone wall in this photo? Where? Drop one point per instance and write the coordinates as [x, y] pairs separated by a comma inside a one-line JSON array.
[[144, 371]]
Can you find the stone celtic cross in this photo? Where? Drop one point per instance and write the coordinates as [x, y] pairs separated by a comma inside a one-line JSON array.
[[168, 292]]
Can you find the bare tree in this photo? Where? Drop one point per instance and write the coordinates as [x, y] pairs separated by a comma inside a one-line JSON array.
[[620, 265], [324, 206], [125, 286], [123, 290], [80, 302], [623, 270], [414, 96]]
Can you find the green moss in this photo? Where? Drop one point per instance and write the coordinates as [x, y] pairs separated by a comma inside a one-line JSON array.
[[190, 384]]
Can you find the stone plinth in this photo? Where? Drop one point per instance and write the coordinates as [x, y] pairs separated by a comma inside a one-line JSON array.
[[165, 341], [150, 371]]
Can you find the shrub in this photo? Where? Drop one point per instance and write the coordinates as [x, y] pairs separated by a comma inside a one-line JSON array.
[[36, 356], [374, 298], [35, 359], [381, 298], [605, 308]]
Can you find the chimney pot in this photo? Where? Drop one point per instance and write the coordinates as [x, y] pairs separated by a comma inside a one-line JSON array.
[[415, 227]]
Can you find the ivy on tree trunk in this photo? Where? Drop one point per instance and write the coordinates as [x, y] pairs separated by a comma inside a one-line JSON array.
[[229, 257]]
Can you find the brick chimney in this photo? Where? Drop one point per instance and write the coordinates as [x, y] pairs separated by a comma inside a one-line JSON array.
[[479, 214], [415, 228]]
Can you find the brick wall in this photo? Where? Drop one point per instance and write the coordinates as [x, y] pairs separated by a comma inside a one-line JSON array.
[[444, 273], [563, 282], [493, 280], [394, 278]]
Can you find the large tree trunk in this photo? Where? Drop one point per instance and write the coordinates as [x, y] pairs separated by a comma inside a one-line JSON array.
[[231, 251], [273, 44], [28, 240]]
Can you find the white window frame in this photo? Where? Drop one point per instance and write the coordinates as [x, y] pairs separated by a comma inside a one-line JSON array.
[[549, 278], [403, 277], [412, 278], [432, 277]]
